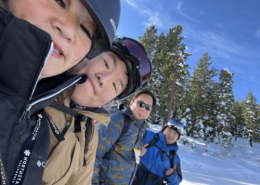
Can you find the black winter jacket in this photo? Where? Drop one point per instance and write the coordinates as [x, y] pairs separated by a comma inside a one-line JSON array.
[[24, 49]]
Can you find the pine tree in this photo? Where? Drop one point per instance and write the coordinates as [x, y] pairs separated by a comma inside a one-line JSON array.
[[239, 126], [157, 80], [226, 106], [149, 41], [251, 115], [258, 123], [170, 72], [211, 120], [187, 111], [202, 84], [176, 70]]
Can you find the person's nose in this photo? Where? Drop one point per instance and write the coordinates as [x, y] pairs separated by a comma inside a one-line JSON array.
[[103, 79], [66, 27]]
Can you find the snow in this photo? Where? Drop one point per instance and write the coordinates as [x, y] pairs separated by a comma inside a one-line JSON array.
[[178, 83], [211, 164], [226, 69]]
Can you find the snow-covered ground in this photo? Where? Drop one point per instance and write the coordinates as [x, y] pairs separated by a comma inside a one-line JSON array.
[[240, 164]]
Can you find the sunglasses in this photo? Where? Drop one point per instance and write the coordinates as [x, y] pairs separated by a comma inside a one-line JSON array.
[[138, 65], [142, 104]]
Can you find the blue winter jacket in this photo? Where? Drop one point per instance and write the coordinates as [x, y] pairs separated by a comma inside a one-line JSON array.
[[154, 163], [115, 158]]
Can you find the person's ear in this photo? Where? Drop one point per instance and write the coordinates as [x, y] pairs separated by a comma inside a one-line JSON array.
[[131, 103]]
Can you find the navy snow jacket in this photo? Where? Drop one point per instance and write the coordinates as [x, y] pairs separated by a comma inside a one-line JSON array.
[[24, 132]]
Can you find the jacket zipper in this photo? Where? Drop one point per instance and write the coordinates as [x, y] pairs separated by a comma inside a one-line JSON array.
[[28, 107], [46, 59]]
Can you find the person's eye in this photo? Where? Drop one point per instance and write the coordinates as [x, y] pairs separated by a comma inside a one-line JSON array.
[[114, 86], [61, 3], [86, 31], [106, 64]]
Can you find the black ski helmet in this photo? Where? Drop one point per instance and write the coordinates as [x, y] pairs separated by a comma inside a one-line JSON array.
[[106, 14], [138, 65]]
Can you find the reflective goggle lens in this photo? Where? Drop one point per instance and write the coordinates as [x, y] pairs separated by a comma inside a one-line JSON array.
[[179, 129], [138, 50]]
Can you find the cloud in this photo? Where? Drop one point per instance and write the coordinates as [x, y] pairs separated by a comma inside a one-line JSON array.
[[257, 33], [132, 3], [153, 19], [153, 16], [218, 43], [179, 8]]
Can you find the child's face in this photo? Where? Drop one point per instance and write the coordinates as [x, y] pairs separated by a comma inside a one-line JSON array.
[[171, 135], [64, 21], [106, 80]]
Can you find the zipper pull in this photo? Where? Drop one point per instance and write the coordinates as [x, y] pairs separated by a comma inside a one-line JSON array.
[[25, 113], [28, 112]]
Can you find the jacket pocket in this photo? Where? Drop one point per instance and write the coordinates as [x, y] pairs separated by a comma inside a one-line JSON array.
[[63, 162]]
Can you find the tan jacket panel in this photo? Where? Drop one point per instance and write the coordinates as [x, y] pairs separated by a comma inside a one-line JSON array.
[[65, 160]]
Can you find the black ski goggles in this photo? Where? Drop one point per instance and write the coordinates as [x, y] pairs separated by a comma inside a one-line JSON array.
[[137, 63], [140, 103]]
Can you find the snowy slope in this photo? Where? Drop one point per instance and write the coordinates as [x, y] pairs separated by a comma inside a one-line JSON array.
[[239, 164]]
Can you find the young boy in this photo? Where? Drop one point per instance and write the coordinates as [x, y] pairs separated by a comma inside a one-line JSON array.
[[74, 138], [161, 163]]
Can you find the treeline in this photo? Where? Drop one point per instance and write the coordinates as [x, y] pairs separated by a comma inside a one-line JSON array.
[[203, 101]]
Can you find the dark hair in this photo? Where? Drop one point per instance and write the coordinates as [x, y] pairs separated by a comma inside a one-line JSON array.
[[148, 93]]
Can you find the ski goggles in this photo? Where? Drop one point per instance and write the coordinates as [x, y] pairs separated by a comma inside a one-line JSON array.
[[176, 125], [137, 63], [140, 103]]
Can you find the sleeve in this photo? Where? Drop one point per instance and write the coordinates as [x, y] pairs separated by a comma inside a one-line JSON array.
[[85, 174], [107, 136], [176, 177]]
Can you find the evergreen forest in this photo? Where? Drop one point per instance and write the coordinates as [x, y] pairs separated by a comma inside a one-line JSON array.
[[201, 98]]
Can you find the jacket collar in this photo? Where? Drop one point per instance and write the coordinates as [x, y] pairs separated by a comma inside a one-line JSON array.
[[99, 114]]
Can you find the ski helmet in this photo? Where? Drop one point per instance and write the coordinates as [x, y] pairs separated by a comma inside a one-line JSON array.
[[175, 125], [138, 65], [106, 14]]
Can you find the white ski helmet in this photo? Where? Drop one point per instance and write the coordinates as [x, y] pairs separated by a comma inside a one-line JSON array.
[[175, 125]]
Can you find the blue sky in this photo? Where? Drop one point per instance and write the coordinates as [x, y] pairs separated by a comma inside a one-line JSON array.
[[229, 30]]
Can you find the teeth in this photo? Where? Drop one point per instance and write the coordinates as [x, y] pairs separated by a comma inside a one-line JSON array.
[[57, 51]]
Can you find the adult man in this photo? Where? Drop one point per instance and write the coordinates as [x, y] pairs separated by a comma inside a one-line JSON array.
[[121, 141]]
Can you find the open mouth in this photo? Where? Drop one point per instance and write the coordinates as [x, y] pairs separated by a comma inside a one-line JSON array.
[[57, 51]]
